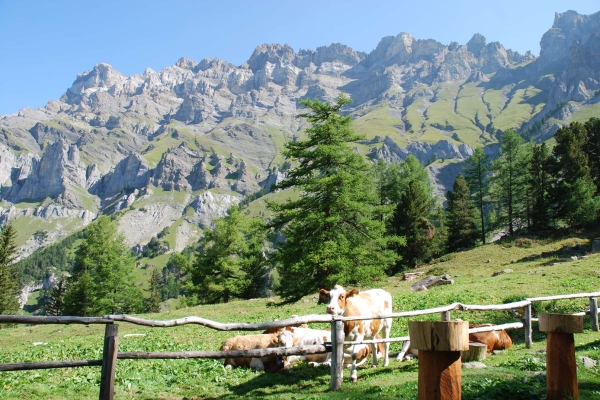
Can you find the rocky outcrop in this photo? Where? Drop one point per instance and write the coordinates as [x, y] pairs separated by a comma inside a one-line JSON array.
[[59, 170], [130, 173], [210, 206], [174, 169], [426, 153]]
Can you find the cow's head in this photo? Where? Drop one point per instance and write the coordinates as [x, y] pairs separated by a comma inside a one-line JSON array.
[[324, 297], [337, 299]]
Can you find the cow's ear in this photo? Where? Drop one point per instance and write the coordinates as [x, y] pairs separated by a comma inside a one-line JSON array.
[[324, 292], [353, 292]]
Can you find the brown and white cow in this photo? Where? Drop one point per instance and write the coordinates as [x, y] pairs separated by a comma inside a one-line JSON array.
[[369, 303], [251, 342], [494, 340], [294, 336]]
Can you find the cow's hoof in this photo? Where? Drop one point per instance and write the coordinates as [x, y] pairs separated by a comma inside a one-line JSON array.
[[353, 379]]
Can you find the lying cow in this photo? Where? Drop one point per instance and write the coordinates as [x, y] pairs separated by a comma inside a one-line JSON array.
[[494, 340], [251, 342], [369, 303], [292, 336]]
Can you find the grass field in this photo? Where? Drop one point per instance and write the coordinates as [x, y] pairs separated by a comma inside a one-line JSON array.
[[539, 267]]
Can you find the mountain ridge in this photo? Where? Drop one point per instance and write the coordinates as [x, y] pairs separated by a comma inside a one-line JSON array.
[[112, 141]]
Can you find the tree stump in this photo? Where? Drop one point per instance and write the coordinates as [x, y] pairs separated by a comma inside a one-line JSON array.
[[440, 344], [561, 368], [477, 351]]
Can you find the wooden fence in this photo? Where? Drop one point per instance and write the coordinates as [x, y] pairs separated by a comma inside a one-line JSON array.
[[111, 338]]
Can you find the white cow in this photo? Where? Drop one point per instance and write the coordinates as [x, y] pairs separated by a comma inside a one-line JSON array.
[[369, 303], [294, 336]]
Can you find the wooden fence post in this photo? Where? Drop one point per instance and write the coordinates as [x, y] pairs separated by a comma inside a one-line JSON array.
[[527, 326], [109, 362], [446, 316], [561, 368], [337, 354], [594, 313], [440, 369]]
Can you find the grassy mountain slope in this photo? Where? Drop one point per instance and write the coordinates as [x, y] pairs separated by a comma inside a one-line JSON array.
[[539, 267]]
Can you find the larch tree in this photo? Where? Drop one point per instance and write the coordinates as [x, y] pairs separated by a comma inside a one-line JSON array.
[[230, 259], [509, 181], [102, 280], [573, 189], [9, 282], [461, 219], [413, 212], [476, 172], [539, 185], [333, 233]]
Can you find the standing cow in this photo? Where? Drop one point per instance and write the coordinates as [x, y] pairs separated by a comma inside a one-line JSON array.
[[354, 303]]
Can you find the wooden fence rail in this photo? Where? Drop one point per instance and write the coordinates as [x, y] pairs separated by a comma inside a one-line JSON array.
[[111, 354]]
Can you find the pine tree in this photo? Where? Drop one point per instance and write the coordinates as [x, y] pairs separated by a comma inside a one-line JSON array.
[[476, 173], [509, 180], [539, 184], [9, 284], [462, 229], [592, 149], [228, 261], [411, 220], [102, 280], [55, 303], [334, 233], [152, 302], [573, 189]]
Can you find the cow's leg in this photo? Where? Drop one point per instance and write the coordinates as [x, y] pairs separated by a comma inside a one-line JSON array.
[[374, 353], [353, 373], [387, 327], [402, 353]]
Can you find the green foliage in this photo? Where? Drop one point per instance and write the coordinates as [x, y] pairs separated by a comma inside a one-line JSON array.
[[54, 303], [334, 233], [509, 181], [102, 281], [462, 230], [9, 285], [152, 302], [476, 172], [230, 261], [412, 215], [155, 247], [573, 189], [36, 266], [539, 184], [592, 149]]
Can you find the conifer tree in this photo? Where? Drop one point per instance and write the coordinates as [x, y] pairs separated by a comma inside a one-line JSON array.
[[592, 149], [333, 233], [55, 303], [102, 281], [462, 229], [509, 180], [9, 284], [573, 189], [152, 302], [229, 260], [476, 174], [539, 184]]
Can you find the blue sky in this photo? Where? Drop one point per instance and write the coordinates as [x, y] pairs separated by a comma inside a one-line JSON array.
[[45, 44]]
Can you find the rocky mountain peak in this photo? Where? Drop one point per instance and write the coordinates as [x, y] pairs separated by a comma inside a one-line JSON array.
[[186, 63], [476, 44], [101, 76], [272, 53], [568, 28]]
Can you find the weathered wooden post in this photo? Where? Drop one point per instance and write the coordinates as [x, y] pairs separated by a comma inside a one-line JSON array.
[[527, 326], [594, 313], [440, 369], [337, 354], [109, 362], [561, 368], [445, 315]]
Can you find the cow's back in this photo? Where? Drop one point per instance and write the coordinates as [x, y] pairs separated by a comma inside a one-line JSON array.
[[368, 303]]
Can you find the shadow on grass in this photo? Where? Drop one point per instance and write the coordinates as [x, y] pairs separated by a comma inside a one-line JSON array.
[[595, 345], [305, 379]]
